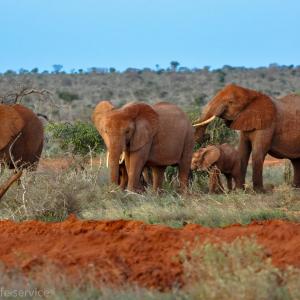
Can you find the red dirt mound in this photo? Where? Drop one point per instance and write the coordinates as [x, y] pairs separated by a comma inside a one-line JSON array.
[[119, 252]]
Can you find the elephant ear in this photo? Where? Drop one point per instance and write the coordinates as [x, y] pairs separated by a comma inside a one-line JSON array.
[[259, 114], [211, 155], [11, 124], [100, 110], [146, 124]]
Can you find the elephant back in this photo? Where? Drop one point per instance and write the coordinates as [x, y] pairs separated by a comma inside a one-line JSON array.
[[29, 145], [175, 131]]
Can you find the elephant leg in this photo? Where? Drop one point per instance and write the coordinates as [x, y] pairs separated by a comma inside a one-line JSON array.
[[258, 158], [123, 176], [147, 176], [261, 142], [184, 172], [244, 153], [296, 167], [184, 166], [158, 176], [137, 162], [220, 185], [214, 180], [229, 181]]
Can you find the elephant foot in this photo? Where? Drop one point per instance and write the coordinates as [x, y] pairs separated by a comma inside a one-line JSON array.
[[259, 189], [296, 184], [183, 190], [135, 191]]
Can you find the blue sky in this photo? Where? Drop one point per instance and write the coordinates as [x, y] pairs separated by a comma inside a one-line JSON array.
[[143, 33]]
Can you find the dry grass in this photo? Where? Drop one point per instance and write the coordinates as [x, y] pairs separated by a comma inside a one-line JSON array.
[[53, 195]]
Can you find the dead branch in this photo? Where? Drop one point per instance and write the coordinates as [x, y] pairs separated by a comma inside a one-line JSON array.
[[17, 97], [13, 178], [10, 151]]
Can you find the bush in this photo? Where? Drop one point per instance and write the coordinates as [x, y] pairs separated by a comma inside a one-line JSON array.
[[219, 133], [67, 96], [237, 270], [78, 138], [200, 100], [216, 132]]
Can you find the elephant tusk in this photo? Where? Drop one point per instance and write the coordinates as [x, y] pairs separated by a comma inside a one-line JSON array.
[[107, 158], [205, 122], [122, 158]]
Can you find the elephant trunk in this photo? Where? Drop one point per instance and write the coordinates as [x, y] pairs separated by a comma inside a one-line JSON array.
[[199, 134], [115, 157], [114, 167]]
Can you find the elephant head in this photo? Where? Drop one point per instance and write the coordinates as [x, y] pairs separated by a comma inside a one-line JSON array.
[[242, 109], [126, 129], [204, 158]]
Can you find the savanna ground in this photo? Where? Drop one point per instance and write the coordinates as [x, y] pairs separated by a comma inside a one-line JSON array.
[[74, 181]]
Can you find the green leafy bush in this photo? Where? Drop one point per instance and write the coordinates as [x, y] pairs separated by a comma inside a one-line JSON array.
[[216, 132], [78, 138], [219, 133]]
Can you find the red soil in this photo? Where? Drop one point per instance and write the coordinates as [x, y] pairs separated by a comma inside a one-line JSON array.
[[120, 252], [60, 164]]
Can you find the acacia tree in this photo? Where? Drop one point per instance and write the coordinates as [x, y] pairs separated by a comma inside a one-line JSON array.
[[57, 68], [174, 65]]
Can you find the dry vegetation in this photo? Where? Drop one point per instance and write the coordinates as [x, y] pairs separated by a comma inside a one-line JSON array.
[[51, 195], [77, 93]]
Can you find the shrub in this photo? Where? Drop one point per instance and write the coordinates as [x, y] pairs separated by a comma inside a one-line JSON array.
[[67, 96], [216, 132], [78, 138], [219, 133], [200, 99], [237, 270]]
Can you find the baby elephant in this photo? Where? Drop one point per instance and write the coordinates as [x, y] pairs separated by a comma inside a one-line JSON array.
[[218, 159]]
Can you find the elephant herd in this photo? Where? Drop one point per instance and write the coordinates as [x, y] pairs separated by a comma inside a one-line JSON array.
[[141, 137], [161, 135]]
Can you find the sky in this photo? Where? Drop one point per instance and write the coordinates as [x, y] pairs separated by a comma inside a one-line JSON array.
[[145, 33]]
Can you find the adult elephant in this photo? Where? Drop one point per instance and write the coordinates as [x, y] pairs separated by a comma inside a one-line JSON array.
[[21, 136], [265, 125], [156, 136]]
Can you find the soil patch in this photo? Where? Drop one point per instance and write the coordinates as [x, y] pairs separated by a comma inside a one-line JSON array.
[[118, 252]]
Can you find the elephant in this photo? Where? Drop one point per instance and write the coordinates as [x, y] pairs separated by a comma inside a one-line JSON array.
[[21, 137], [218, 159], [154, 136], [265, 125]]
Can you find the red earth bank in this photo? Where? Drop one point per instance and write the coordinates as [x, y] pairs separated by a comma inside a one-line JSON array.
[[118, 252]]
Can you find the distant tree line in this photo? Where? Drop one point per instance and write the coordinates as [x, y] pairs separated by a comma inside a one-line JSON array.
[[174, 67]]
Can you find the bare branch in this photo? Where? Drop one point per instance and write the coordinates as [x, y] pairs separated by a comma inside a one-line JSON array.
[[10, 151], [17, 97], [4, 187]]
